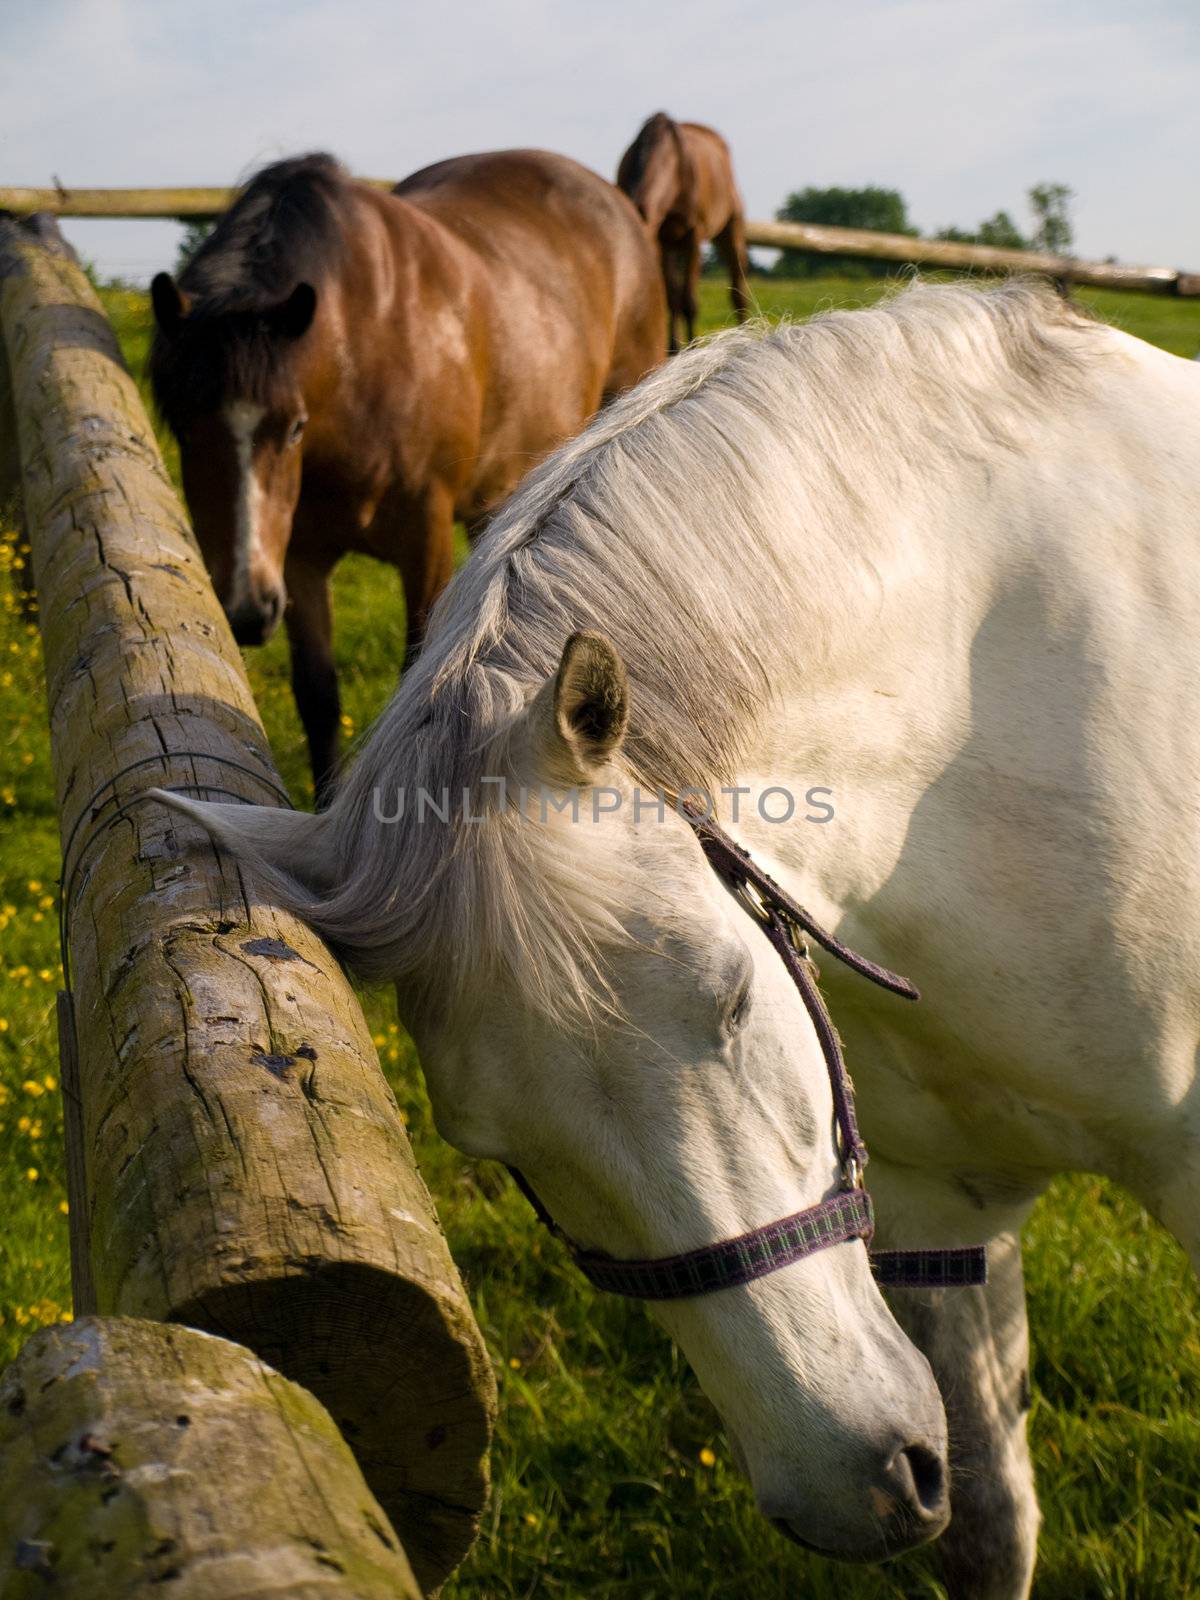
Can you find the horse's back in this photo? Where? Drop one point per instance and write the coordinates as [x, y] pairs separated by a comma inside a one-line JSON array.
[[531, 209], [499, 184], [572, 275], [565, 301]]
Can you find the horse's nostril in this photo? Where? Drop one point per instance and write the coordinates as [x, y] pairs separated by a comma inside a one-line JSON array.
[[921, 1475]]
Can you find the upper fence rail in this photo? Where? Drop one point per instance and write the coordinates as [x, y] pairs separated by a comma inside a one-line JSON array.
[[804, 236]]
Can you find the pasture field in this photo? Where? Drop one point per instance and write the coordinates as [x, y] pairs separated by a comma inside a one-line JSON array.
[[612, 1480]]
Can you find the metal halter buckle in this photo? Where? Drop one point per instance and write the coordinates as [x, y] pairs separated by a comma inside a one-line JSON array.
[[752, 898]]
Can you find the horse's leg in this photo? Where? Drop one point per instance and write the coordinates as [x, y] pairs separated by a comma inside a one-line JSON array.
[[309, 621], [977, 1342], [691, 284], [730, 245], [1163, 1172], [426, 560], [672, 282]]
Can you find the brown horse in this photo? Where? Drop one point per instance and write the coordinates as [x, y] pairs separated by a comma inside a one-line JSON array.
[[347, 369], [680, 177]]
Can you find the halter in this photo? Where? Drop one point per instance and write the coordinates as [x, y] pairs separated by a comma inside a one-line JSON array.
[[846, 1215]]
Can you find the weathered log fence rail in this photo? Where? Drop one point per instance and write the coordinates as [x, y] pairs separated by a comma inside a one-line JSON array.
[[804, 236], [138, 1460], [237, 1161]]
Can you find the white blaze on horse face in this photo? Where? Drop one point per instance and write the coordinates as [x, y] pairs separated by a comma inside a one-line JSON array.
[[242, 418]]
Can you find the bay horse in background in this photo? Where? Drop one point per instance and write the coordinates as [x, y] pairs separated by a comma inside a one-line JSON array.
[[680, 177], [351, 370]]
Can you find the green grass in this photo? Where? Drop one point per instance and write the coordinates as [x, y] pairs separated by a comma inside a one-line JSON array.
[[601, 1487]]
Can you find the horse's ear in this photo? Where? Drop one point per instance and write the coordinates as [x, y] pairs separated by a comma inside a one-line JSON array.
[[289, 847], [170, 303], [294, 316], [579, 717]]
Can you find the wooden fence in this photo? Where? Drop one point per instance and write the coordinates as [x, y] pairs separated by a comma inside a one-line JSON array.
[[140, 1460], [236, 1159], [808, 237]]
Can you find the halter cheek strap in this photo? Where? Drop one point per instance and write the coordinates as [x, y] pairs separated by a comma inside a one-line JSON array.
[[843, 1216]]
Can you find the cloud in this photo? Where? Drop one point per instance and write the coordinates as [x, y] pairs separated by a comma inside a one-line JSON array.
[[960, 105]]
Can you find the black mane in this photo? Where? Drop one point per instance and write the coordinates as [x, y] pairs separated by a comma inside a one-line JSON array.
[[283, 229]]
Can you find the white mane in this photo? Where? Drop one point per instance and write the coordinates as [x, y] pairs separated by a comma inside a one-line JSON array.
[[707, 523]]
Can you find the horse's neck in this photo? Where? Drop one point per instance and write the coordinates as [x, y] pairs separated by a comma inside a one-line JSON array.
[[873, 696]]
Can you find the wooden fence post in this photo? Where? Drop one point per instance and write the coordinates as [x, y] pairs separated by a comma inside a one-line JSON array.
[[246, 1168]]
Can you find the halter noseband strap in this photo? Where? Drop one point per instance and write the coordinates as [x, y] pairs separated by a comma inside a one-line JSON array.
[[846, 1215]]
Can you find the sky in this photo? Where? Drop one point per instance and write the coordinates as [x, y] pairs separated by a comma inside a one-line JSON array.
[[959, 104]]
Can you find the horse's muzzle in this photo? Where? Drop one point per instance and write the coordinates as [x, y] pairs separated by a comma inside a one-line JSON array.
[[908, 1506], [253, 622]]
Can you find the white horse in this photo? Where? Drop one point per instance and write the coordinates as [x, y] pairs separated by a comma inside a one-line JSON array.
[[938, 558]]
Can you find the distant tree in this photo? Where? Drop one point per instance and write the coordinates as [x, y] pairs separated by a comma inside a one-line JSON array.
[[195, 231], [880, 210], [1002, 232], [1049, 203], [999, 231]]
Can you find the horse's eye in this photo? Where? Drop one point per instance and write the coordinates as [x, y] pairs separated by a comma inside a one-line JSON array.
[[296, 429], [737, 1012]]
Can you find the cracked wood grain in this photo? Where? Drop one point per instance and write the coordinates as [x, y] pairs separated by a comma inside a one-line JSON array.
[[246, 1168]]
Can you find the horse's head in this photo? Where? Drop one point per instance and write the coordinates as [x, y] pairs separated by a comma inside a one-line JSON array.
[[228, 385], [593, 1007]]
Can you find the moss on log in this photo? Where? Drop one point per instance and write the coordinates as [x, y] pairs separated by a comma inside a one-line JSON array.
[[246, 1168], [139, 1460]]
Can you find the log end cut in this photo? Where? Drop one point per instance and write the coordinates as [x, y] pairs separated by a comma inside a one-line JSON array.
[[400, 1367]]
